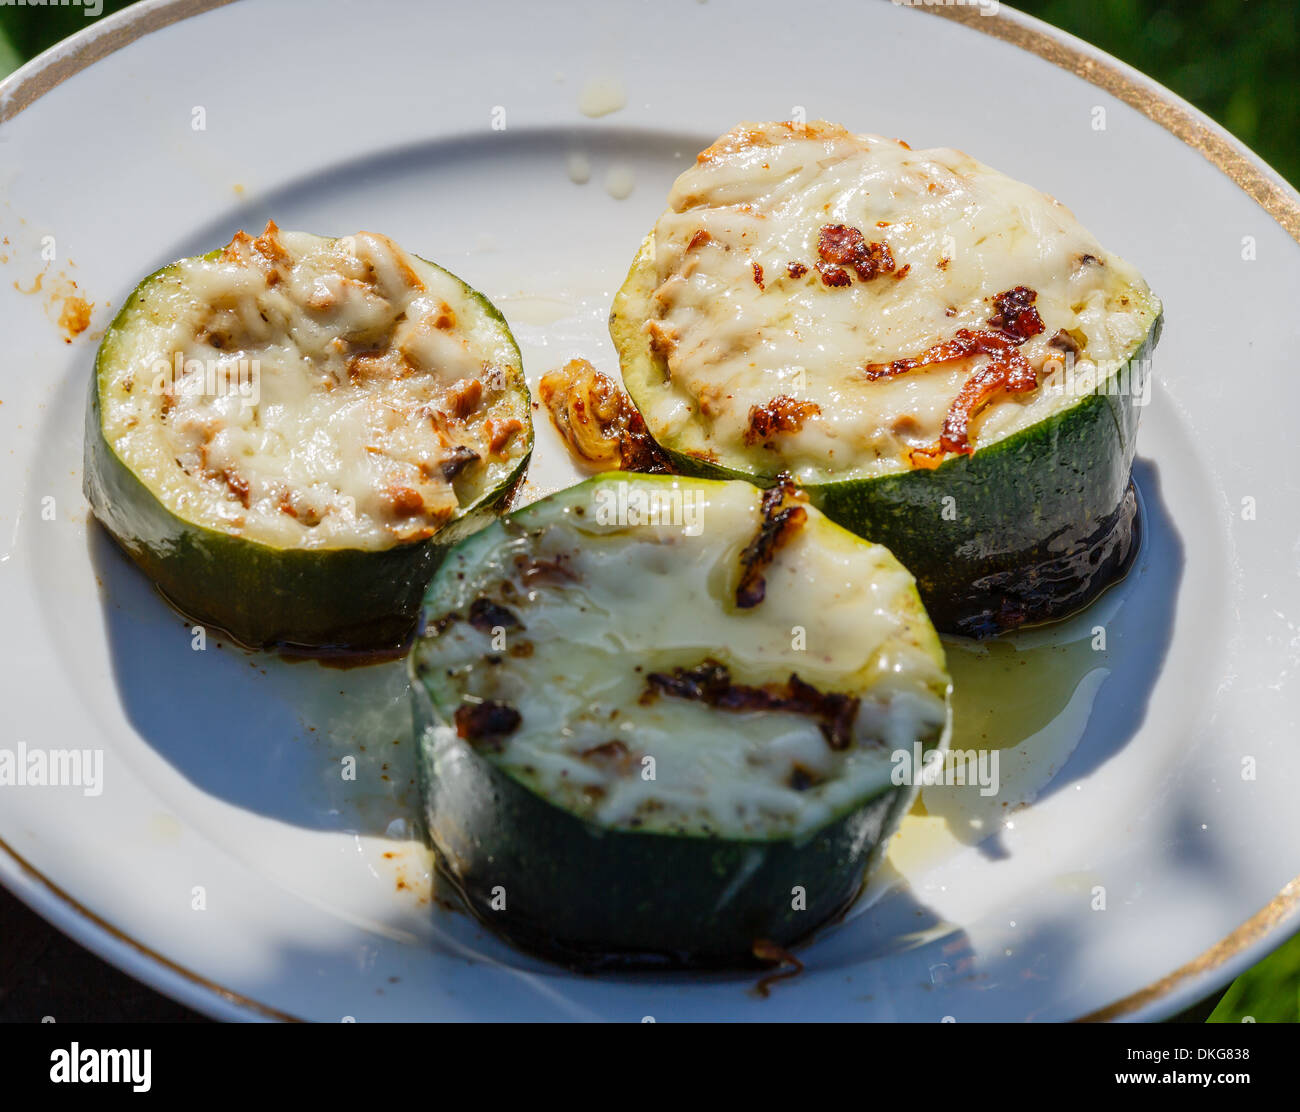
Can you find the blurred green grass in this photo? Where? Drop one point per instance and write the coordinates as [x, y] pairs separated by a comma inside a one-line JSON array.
[[10, 59], [1236, 60], [26, 31], [1267, 993]]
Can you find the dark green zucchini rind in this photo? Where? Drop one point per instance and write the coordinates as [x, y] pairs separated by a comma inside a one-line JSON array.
[[591, 898], [319, 601], [1024, 531], [557, 883]]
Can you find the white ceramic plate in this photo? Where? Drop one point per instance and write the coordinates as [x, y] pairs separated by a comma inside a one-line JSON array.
[[227, 863]]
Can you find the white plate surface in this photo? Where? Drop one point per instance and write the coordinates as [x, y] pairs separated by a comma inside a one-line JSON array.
[[1164, 775]]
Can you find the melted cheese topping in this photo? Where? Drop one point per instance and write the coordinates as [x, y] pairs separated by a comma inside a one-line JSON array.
[[603, 605], [313, 393], [726, 303]]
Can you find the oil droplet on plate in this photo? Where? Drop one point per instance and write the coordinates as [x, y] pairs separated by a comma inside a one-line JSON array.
[[620, 181], [579, 166], [1027, 698], [602, 95], [164, 827]]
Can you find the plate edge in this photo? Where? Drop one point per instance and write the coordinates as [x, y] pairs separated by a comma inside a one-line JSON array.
[[1254, 177], [1187, 123], [66, 59], [38, 882]]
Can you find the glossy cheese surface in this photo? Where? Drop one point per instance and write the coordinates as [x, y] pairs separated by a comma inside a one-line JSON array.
[[564, 611], [737, 300], [313, 393]]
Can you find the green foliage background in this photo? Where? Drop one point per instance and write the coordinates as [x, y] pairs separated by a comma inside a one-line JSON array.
[[1236, 60]]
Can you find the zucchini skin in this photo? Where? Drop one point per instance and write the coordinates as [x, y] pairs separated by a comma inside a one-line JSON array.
[[1041, 522], [320, 600], [592, 898]]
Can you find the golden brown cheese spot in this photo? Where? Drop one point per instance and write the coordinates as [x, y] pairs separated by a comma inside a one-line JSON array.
[[834, 276], [413, 280], [268, 245], [500, 432], [237, 250], [738, 139], [464, 396], [236, 484], [368, 366], [846, 246], [298, 509], [1007, 372], [406, 502], [781, 414], [322, 300], [266, 253], [709, 398], [663, 340], [751, 138], [1015, 315]]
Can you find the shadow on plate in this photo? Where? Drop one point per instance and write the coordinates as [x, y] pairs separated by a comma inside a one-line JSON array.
[[265, 734], [1138, 635], [492, 156], [270, 736], [1054, 705]]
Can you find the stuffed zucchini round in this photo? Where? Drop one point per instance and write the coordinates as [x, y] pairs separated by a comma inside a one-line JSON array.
[[659, 719], [286, 432], [943, 357]]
